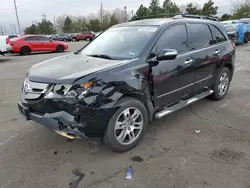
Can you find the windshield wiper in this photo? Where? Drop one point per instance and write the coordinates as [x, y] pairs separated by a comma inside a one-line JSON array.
[[101, 56]]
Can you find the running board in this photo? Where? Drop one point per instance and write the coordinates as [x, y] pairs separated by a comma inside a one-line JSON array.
[[182, 104]]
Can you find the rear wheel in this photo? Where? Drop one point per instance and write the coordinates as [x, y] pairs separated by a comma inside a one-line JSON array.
[[25, 50], [127, 126], [60, 48], [246, 39], [221, 84], [87, 39], [73, 39]]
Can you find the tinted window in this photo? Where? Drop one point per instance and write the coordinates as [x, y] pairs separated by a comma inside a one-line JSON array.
[[174, 38], [217, 34], [33, 38], [43, 39], [201, 36]]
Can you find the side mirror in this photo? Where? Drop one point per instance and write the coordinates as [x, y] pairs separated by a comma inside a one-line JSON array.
[[167, 54]]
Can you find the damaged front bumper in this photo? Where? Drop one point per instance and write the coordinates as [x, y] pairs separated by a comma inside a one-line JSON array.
[[91, 125]]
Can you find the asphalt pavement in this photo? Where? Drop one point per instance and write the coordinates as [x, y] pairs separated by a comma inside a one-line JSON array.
[[203, 145]]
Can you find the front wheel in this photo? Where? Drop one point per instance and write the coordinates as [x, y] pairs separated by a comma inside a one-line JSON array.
[[60, 48], [127, 126], [221, 84]]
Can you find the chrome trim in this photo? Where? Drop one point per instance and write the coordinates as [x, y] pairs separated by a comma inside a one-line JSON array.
[[184, 87], [174, 90], [29, 89], [204, 79]]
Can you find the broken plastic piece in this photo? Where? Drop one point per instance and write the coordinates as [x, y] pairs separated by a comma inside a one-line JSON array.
[[197, 131], [129, 174]]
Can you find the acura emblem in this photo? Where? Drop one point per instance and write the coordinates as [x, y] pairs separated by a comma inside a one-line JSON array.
[[27, 88]]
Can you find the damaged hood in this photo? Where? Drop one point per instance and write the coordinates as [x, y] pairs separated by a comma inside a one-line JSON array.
[[66, 69]]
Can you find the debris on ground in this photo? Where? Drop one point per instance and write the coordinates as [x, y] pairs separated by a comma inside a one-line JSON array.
[[78, 176], [197, 131], [129, 173]]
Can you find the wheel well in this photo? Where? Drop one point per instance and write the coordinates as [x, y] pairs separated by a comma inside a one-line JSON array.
[[230, 67], [148, 104], [59, 45], [25, 47]]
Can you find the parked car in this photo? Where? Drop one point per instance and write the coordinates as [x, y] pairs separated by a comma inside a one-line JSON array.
[[232, 33], [12, 36], [36, 43], [5, 46], [62, 37], [83, 36], [111, 90]]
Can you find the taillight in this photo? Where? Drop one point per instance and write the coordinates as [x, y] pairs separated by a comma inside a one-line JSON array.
[[7, 40]]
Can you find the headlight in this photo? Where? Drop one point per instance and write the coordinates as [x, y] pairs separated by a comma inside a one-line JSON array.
[[69, 91], [78, 90]]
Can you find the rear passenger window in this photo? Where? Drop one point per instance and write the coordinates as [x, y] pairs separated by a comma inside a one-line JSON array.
[[33, 38], [201, 36], [174, 38], [219, 37]]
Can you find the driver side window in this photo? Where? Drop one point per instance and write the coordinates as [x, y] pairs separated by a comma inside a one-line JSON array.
[[174, 37]]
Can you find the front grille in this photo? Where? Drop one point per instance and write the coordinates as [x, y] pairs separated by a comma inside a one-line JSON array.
[[34, 90]]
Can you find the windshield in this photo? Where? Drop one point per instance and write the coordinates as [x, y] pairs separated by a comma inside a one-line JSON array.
[[229, 28], [121, 42]]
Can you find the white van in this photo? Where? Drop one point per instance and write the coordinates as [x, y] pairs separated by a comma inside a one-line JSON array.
[[5, 46]]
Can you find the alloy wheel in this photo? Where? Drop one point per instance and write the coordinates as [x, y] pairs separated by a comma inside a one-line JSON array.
[[128, 126], [224, 81]]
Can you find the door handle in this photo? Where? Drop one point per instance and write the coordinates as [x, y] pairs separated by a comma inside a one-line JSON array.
[[187, 62], [217, 52]]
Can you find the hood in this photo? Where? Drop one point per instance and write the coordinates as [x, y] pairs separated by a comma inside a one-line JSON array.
[[68, 68], [231, 32]]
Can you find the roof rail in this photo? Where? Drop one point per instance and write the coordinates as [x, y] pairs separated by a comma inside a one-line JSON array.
[[175, 16], [153, 16], [195, 16]]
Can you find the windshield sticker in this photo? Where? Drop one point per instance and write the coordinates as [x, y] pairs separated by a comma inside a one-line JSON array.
[[147, 29]]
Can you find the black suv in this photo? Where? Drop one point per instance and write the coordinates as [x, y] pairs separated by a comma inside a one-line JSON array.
[[129, 75]]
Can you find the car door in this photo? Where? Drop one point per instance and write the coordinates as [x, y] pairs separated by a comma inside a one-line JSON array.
[[205, 52], [173, 80], [33, 42], [46, 44]]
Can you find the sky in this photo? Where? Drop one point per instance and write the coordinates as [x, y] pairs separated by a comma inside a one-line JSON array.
[[29, 10]]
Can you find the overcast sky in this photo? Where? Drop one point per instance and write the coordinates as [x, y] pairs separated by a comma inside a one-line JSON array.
[[29, 10]]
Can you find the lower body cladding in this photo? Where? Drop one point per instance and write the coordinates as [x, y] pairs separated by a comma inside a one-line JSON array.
[[91, 123]]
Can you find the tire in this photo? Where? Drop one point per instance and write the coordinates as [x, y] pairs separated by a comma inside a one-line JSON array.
[[25, 50], [218, 94], [73, 39], [60, 48], [88, 39], [128, 106], [246, 39], [65, 40]]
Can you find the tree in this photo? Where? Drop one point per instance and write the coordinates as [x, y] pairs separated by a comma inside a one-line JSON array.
[[170, 8], [192, 9], [155, 7], [67, 27], [242, 12], [105, 22], [225, 17], [113, 20], [209, 9], [31, 30], [94, 25], [142, 11], [46, 27]]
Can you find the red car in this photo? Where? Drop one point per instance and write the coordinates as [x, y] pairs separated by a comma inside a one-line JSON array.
[[35, 43], [83, 36]]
